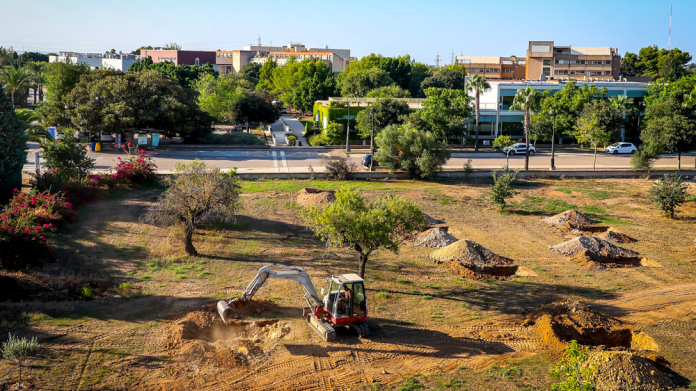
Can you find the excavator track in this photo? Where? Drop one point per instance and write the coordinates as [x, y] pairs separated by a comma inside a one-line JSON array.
[[323, 328]]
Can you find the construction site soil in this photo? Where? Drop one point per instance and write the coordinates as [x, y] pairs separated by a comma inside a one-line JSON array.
[[309, 197], [596, 252], [435, 238], [468, 259]]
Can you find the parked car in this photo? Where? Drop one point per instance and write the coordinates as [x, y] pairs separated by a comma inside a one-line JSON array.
[[366, 160], [621, 148], [519, 149]]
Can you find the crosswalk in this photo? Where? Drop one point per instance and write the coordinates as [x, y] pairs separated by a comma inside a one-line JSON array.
[[279, 162]]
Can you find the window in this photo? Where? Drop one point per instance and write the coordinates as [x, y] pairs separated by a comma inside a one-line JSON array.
[[606, 73], [547, 62], [508, 70], [546, 71], [198, 62], [543, 49], [560, 72]]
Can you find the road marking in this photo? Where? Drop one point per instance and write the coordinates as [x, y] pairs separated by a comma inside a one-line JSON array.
[[275, 162], [285, 162]]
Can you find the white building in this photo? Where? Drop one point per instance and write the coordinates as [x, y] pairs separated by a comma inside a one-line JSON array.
[[117, 61]]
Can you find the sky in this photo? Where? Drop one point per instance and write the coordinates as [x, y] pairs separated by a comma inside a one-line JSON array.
[[391, 28]]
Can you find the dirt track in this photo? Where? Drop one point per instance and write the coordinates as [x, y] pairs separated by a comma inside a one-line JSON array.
[[648, 307]]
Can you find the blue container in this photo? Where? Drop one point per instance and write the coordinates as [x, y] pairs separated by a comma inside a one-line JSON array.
[[94, 145]]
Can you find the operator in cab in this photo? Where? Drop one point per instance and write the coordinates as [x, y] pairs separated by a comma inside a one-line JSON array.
[[344, 299]]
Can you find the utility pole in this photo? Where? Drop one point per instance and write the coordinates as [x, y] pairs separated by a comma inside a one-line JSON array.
[[372, 139], [452, 57], [553, 140], [437, 60]]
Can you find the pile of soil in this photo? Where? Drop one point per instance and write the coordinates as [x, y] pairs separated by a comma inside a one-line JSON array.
[[309, 197], [570, 220], [434, 237], [612, 235], [559, 323], [432, 221], [469, 259], [615, 370], [597, 252]]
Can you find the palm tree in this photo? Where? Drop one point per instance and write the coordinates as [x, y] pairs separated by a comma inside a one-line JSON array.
[[528, 100], [477, 84], [36, 132], [620, 104], [38, 77], [16, 81]]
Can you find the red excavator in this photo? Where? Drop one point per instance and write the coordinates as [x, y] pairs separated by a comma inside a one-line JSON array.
[[345, 304]]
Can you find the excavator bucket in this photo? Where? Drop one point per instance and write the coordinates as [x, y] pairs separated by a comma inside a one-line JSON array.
[[226, 308]]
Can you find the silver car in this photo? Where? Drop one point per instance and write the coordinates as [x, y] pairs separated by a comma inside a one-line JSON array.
[[519, 149], [617, 148]]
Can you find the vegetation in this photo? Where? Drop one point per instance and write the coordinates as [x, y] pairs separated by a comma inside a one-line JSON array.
[[338, 168], [417, 152], [35, 132], [669, 128], [444, 112], [450, 78], [235, 138], [668, 192], [596, 125], [217, 95], [364, 226], [652, 61], [387, 111], [502, 189], [504, 142], [185, 74], [644, 158], [477, 84], [574, 375], [16, 82], [18, 350], [529, 101], [197, 194], [13, 147], [68, 160]]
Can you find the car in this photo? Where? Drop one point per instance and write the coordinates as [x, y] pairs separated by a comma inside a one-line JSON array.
[[621, 148], [519, 149], [366, 160]]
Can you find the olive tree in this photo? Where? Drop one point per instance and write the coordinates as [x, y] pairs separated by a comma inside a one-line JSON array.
[[668, 192], [196, 194], [403, 147], [365, 226], [17, 350]]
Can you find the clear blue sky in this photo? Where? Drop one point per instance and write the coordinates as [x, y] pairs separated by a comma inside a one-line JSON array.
[[419, 28]]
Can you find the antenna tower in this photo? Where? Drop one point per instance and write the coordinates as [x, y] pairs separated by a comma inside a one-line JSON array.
[[452, 57], [259, 40], [437, 59], [669, 40]]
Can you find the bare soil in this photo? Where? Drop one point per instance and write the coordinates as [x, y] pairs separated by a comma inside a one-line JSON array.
[[434, 238], [597, 251], [309, 197], [469, 259]]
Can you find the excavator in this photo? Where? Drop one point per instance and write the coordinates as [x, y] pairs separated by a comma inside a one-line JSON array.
[[345, 303]]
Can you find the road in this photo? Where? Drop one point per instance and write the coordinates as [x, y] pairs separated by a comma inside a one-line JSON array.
[[287, 160]]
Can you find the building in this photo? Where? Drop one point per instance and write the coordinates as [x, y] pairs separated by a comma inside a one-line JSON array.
[[496, 68], [547, 61], [180, 57], [232, 61], [117, 61]]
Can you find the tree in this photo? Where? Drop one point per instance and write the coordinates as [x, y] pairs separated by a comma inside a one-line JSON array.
[[251, 70], [217, 95], [387, 111], [185, 74], [446, 111], [419, 72], [672, 64], [38, 77], [364, 226], [644, 158], [650, 58], [18, 350], [286, 80], [196, 195], [172, 46], [417, 152], [630, 65], [137, 51], [311, 90], [255, 106], [668, 192], [502, 189], [266, 75], [527, 100], [572, 371], [477, 84], [16, 82], [68, 160], [670, 128], [448, 78], [61, 78], [35, 132], [596, 125], [13, 149], [28, 57], [392, 91], [334, 134], [398, 68], [359, 83], [503, 142]]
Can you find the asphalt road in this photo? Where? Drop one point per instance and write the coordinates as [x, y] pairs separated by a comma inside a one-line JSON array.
[[287, 160]]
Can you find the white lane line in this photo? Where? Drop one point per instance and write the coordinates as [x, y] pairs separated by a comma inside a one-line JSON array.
[[275, 162], [285, 162]]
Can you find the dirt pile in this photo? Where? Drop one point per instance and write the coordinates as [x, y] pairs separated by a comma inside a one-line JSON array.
[[309, 197], [627, 371], [559, 323], [469, 259], [594, 252], [571, 220], [614, 236], [432, 221], [434, 237]]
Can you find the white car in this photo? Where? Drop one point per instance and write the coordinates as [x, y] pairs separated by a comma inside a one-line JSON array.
[[621, 148], [519, 149]]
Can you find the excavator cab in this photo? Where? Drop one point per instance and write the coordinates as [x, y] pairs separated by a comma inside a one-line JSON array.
[[346, 300]]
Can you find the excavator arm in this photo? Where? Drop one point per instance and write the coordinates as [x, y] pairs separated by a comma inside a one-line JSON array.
[[226, 307]]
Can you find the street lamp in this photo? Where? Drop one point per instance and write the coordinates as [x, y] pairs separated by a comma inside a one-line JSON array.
[[553, 141], [372, 138], [65, 121]]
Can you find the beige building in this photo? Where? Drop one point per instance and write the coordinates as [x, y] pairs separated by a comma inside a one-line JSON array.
[[499, 68], [232, 61], [547, 61]]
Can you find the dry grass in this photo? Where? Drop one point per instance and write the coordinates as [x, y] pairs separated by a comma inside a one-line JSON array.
[[115, 340]]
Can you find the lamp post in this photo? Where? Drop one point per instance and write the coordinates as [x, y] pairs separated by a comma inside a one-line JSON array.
[[553, 141], [65, 121], [372, 138]]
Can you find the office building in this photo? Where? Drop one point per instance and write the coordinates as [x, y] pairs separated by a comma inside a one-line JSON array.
[[117, 61], [232, 61], [547, 61], [179, 57]]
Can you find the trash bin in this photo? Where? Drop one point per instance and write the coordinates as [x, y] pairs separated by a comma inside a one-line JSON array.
[[94, 145], [97, 147]]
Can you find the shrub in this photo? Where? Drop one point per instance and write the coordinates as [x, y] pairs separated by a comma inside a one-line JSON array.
[[87, 292], [67, 160], [18, 350], [316, 140], [137, 169], [668, 192], [339, 168], [40, 209], [235, 138], [644, 158], [403, 147], [290, 139], [75, 191], [502, 189], [13, 148], [572, 372]]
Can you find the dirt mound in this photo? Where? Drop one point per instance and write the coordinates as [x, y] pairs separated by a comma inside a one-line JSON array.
[[432, 221], [612, 235], [627, 371], [571, 220], [469, 259], [434, 237], [309, 197], [588, 249], [559, 323]]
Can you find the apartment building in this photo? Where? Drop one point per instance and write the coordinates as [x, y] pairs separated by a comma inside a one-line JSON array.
[[232, 61], [497, 68], [117, 61], [180, 57], [545, 60]]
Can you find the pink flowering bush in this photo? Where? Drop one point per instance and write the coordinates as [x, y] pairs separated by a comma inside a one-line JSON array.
[[136, 169], [75, 191], [23, 225]]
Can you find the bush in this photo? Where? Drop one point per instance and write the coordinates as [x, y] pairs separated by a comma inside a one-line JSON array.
[[316, 140], [339, 168], [668, 192], [403, 147], [67, 160], [18, 350], [75, 191], [502, 188], [13, 148], [137, 169], [290, 139], [235, 138], [644, 158]]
